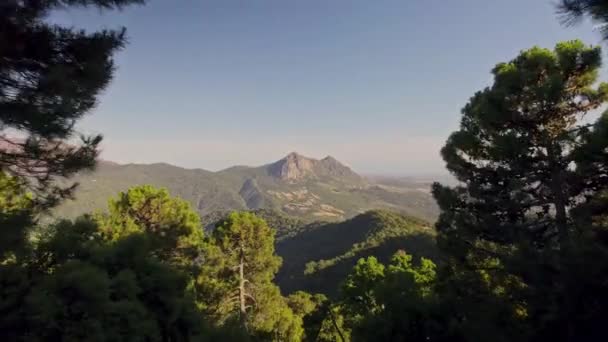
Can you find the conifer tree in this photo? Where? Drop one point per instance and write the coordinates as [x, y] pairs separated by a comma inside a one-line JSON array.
[[50, 76], [514, 153], [169, 222], [16, 216], [526, 162], [572, 12], [87, 288], [242, 249]]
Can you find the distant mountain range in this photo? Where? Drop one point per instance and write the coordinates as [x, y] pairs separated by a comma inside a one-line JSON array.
[[297, 186]]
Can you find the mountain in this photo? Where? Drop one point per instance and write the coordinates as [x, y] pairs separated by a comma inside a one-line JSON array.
[[295, 168], [295, 185], [321, 255]]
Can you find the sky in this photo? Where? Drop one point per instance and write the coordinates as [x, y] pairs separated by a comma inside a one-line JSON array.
[[376, 84]]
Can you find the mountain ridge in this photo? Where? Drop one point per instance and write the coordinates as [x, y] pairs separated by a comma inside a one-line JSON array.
[[321, 255], [311, 189]]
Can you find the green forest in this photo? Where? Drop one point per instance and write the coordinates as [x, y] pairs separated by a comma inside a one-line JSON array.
[[519, 251]]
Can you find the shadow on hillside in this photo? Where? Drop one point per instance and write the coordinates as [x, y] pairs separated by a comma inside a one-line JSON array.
[[291, 277], [319, 241]]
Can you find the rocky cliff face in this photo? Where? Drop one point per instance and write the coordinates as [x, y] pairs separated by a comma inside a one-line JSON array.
[[296, 167], [293, 167]]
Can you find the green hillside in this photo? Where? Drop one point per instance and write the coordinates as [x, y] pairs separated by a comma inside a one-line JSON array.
[[319, 258], [296, 186]]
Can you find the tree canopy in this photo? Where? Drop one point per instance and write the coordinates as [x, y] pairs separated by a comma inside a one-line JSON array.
[[527, 163], [171, 223], [516, 147], [50, 77], [573, 11], [242, 250], [522, 238]]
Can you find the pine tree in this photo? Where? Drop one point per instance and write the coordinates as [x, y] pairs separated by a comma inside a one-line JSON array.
[[50, 76], [525, 161], [169, 222], [86, 288], [514, 152], [16, 216], [572, 11], [591, 157], [242, 251]]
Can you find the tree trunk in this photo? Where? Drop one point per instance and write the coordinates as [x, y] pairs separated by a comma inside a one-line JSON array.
[[560, 201], [333, 321], [559, 197], [242, 297]]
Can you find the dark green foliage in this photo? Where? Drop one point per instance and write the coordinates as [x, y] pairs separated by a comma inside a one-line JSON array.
[[591, 156], [244, 236], [572, 12], [237, 281], [519, 249], [523, 238], [77, 281], [111, 292], [50, 76], [321, 256], [515, 147], [480, 302], [312, 309], [16, 216], [391, 303], [174, 226], [76, 286], [285, 226], [573, 281]]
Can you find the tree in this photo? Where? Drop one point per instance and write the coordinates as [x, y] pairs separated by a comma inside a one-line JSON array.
[[391, 303], [303, 303], [170, 222], [50, 76], [514, 150], [334, 327], [360, 288], [591, 158], [525, 161], [112, 291], [574, 301], [572, 11], [312, 309], [76, 285], [242, 250], [16, 216]]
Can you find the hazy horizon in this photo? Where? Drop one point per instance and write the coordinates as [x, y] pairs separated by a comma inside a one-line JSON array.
[[380, 87], [414, 175]]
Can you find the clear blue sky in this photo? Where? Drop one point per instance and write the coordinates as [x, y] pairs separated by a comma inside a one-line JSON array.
[[377, 84]]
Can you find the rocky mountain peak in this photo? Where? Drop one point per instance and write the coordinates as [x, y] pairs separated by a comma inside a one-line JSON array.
[[294, 155], [295, 167], [330, 159]]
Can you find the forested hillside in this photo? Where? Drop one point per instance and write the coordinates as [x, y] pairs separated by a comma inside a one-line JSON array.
[[319, 258], [285, 226], [297, 186]]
